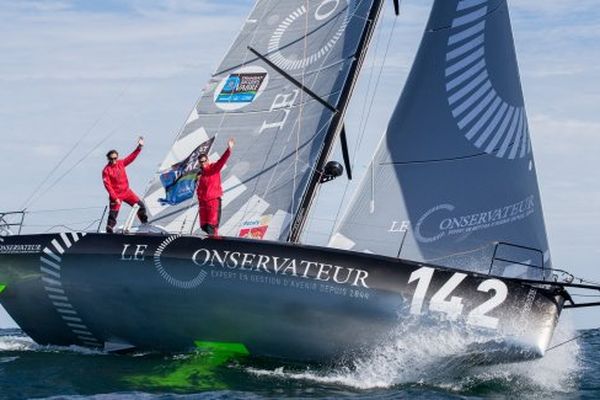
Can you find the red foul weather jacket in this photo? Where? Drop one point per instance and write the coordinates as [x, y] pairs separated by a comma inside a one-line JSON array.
[[115, 178], [209, 182]]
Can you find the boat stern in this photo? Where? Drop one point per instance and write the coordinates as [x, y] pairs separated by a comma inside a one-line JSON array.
[[22, 293]]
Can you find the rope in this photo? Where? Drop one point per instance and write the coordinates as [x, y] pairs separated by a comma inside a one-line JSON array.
[[385, 55], [362, 126], [247, 209], [67, 172], [245, 59], [29, 200], [567, 341], [308, 220], [585, 281], [294, 129], [363, 114], [362, 118], [155, 178], [63, 210], [266, 11], [301, 111], [70, 228]]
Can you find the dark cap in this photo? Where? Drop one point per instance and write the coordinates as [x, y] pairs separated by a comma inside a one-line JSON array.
[[113, 151]]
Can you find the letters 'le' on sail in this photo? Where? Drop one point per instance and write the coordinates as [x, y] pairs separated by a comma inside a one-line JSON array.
[[455, 172], [279, 129]]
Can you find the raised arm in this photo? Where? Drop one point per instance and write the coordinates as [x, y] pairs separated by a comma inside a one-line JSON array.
[[217, 166], [131, 158], [108, 186]]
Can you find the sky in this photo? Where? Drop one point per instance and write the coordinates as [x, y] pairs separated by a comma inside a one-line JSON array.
[[79, 77]]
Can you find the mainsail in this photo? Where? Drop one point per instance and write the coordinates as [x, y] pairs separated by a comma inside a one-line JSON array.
[[453, 182], [282, 133]]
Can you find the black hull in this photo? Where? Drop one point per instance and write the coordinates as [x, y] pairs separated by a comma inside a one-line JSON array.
[[161, 293]]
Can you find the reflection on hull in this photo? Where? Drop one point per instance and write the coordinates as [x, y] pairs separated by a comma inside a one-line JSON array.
[[150, 292]]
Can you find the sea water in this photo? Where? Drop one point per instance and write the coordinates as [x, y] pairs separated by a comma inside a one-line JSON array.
[[411, 364]]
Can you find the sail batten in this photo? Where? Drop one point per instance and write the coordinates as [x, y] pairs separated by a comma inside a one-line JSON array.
[[454, 176]]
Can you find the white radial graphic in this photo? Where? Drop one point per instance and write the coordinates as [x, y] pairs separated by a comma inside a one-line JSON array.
[[487, 121], [51, 272], [181, 284], [275, 43]]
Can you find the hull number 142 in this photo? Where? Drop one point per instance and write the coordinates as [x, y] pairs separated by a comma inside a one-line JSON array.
[[443, 301]]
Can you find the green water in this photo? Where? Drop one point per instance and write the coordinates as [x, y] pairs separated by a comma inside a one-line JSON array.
[[227, 371]]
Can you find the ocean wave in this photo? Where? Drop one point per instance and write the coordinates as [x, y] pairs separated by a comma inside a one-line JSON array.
[[15, 341], [440, 358]]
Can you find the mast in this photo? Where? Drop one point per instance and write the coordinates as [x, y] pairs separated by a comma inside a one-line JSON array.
[[336, 127]]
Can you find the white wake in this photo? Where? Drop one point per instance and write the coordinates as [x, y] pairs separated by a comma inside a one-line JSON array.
[[21, 343], [435, 358]]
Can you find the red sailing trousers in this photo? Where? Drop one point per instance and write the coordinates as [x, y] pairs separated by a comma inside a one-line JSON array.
[[128, 197], [210, 215]]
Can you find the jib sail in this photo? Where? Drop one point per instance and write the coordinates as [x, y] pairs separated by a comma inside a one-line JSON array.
[[454, 182]]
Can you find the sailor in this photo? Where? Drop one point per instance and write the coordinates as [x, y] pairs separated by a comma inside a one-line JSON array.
[[116, 183], [209, 191]]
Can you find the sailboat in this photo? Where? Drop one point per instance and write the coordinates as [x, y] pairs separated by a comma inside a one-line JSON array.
[[446, 227]]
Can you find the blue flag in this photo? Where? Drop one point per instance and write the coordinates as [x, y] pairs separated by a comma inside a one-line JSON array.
[[180, 180]]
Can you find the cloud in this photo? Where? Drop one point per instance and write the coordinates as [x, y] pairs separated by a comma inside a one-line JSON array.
[[65, 46], [557, 39], [46, 150], [69, 67], [40, 6], [558, 8], [569, 131], [143, 7]]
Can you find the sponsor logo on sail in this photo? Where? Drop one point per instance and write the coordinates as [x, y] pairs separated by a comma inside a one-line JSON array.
[[399, 227], [255, 232], [241, 88], [255, 229], [439, 221]]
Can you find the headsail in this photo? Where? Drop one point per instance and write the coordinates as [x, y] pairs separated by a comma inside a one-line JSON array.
[[280, 131], [455, 172]]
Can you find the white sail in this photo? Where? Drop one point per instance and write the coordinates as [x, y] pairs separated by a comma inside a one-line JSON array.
[[279, 128]]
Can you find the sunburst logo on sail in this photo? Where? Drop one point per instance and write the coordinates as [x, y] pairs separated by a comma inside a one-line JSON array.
[[485, 118], [326, 10]]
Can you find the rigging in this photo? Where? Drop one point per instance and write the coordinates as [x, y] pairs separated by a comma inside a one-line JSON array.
[[32, 197]]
